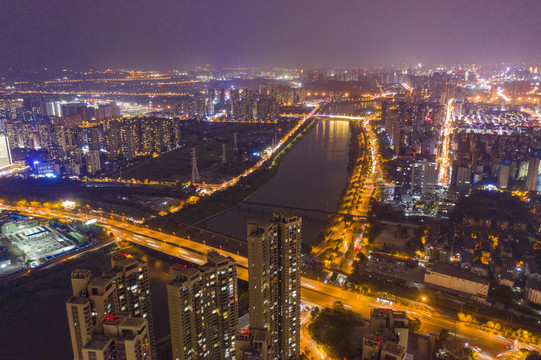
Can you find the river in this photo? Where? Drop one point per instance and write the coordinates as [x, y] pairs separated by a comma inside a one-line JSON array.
[[312, 175]]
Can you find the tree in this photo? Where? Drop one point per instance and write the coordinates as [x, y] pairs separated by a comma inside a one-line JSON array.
[[444, 334], [314, 313], [465, 318], [534, 355], [470, 354], [338, 305], [415, 324]]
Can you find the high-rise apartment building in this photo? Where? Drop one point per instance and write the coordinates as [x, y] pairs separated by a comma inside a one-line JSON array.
[[533, 171], [122, 337], [203, 309], [424, 176], [274, 257], [131, 278], [101, 325], [503, 178], [93, 162], [5, 153]]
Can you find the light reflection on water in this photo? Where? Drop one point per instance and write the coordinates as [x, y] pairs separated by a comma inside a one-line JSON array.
[[312, 176]]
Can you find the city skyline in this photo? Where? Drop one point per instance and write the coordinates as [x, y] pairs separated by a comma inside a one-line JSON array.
[[172, 35], [257, 180]]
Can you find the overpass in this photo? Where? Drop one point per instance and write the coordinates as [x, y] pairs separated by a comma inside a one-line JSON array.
[[304, 210], [333, 116], [313, 291], [316, 292]]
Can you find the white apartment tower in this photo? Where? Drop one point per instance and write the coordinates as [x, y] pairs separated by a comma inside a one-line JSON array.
[[5, 153], [274, 261], [203, 309], [131, 278], [121, 298]]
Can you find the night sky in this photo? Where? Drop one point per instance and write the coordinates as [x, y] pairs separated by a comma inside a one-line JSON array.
[[179, 34]]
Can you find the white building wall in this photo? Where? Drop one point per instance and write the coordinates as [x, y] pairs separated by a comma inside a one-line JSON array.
[[454, 283]]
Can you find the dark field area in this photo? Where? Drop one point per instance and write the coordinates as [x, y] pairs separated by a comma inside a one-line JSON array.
[[208, 139]]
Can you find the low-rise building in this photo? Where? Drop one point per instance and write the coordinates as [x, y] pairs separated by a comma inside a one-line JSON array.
[[534, 291], [452, 278], [252, 344], [371, 347], [392, 351]]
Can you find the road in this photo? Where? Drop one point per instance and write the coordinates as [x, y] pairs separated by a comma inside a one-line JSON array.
[[357, 202], [313, 291], [443, 160]]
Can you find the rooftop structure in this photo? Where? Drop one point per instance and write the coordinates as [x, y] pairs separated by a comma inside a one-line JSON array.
[[455, 279], [38, 241]]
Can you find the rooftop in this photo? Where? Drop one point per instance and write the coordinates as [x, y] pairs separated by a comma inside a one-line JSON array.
[[393, 349], [399, 314], [100, 281], [78, 300], [455, 271], [133, 322], [379, 314], [99, 342]]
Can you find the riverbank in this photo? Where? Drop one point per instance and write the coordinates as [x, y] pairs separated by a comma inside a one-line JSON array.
[[354, 154], [208, 207], [312, 176], [340, 239]]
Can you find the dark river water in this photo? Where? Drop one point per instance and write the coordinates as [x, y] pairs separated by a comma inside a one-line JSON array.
[[312, 175]]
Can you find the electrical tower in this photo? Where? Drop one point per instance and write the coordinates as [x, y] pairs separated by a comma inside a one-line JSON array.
[[195, 172], [223, 154], [235, 147]]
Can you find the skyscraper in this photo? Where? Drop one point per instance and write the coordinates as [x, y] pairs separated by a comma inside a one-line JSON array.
[[5, 153], [274, 261], [79, 311], [131, 278], [203, 309], [533, 170], [98, 328], [503, 178]]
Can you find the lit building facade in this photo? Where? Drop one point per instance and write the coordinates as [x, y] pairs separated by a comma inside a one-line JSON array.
[[99, 329], [274, 257], [5, 152], [203, 309]]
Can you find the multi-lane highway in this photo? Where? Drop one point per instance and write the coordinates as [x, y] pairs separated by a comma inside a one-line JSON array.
[[313, 291]]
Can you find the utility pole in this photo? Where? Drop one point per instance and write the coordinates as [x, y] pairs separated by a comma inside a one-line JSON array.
[[223, 154], [195, 172]]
